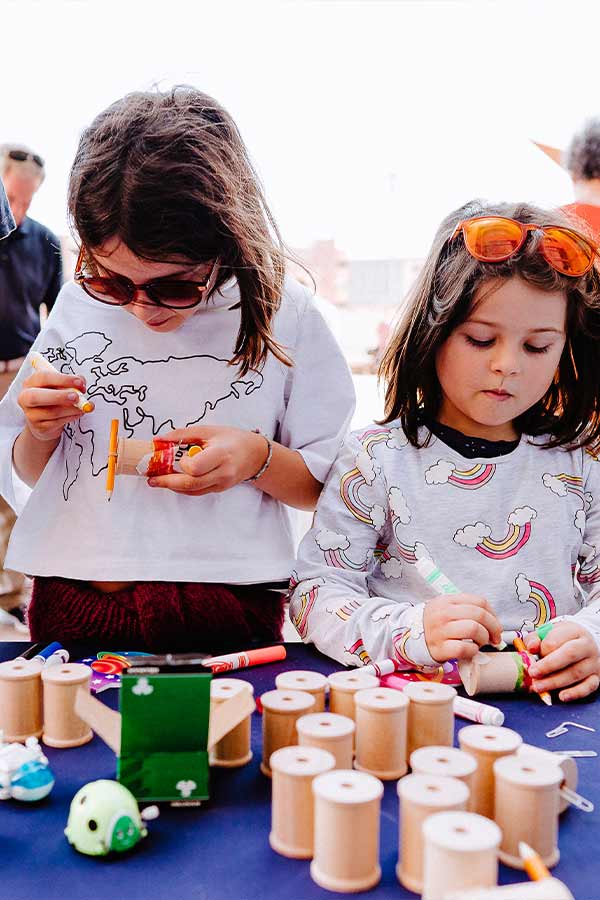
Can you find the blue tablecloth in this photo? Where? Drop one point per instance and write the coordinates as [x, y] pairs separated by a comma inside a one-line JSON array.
[[221, 851]]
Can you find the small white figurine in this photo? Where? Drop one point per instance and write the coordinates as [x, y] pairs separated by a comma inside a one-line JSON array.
[[24, 771]]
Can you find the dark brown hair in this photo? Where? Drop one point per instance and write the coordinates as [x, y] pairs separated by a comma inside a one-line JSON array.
[[169, 175], [441, 299]]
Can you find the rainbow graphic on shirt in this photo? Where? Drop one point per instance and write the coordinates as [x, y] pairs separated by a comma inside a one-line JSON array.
[[394, 438], [350, 485], [540, 596], [445, 472], [562, 485], [333, 546], [478, 536], [307, 601], [344, 612], [400, 638], [358, 649]]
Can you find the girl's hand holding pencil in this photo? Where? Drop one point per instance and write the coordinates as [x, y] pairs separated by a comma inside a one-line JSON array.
[[457, 625], [569, 663]]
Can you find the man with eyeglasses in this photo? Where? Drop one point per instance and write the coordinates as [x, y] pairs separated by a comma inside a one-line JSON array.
[[30, 276]]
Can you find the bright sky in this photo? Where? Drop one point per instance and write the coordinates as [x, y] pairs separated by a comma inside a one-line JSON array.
[[368, 121]]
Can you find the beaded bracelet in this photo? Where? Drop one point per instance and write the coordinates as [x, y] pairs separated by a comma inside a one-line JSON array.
[[267, 461]]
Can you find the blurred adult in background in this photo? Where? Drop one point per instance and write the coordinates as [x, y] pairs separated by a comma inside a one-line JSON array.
[[7, 223], [582, 160], [30, 277]]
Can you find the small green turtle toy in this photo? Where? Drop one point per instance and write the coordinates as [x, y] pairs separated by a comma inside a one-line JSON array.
[[104, 816]]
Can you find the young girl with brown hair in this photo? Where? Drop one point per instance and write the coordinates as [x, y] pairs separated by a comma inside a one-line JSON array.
[[180, 323], [484, 464]]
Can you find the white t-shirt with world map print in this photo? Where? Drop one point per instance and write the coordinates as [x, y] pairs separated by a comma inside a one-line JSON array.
[[153, 382], [521, 530]]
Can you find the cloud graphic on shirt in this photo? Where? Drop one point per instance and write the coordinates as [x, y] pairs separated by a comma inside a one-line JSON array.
[[392, 567], [421, 551], [378, 516], [472, 535], [523, 587], [331, 540], [383, 612], [440, 472], [579, 520], [365, 466], [588, 499], [398, 505], [397, 439], [522, 516], [555, 484]]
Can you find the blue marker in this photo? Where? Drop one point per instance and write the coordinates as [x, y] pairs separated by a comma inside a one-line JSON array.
[[43, 655]]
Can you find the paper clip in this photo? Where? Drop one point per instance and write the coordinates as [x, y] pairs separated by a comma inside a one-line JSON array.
[[562, 729], [576, 800], [576, 754]]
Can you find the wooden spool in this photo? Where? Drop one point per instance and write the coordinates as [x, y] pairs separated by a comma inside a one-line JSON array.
[[129, 452], [493, 673], [567, 764], [526, 808], [486, 743], [62, 725], [420, 797], [312, 682], [292, 819], [233, 750], [329, 732], [20, 699], [346, 851], [381, 724], [430, 714], [342, 688], [461, 851], [448, 762], [547, 889], [281, 710]]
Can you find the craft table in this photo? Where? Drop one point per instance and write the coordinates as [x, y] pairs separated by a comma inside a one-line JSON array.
[[220, 851]]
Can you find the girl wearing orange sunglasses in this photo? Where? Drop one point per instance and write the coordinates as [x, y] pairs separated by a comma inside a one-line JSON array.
[[484, 464]]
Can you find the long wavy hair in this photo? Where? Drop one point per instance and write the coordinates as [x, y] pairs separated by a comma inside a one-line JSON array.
[[169, 175], [441, 299]]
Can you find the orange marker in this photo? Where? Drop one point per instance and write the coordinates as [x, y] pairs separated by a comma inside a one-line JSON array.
[[532, 861], [112, 457], [520, 646], [40, 363], [245, 658]]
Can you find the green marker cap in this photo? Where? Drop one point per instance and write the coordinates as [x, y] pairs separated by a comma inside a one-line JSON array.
[[544, 630]]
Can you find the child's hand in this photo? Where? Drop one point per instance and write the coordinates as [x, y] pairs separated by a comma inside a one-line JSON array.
[[569, 659], [457, 625], [48, 401], [229, 455]]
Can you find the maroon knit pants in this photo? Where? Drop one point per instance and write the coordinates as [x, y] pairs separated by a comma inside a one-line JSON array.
[[159, 615]]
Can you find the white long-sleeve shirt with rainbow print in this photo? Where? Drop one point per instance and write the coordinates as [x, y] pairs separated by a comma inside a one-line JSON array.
[[521, 530]]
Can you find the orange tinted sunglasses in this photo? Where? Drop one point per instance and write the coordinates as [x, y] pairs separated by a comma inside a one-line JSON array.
[[496, 238]]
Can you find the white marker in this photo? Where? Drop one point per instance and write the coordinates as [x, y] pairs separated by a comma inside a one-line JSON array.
[[40, 363]]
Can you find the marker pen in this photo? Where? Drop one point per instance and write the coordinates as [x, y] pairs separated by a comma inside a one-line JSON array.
[[57, 658], [41, 363], [43, 655]]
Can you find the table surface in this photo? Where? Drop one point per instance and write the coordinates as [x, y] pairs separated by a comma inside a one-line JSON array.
[[221, 849]]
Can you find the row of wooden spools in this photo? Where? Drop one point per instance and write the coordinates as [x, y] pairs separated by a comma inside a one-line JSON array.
[[324, 809], [40, 701]]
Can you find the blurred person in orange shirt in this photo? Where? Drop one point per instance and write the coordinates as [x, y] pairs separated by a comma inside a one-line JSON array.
[[582, 161]]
